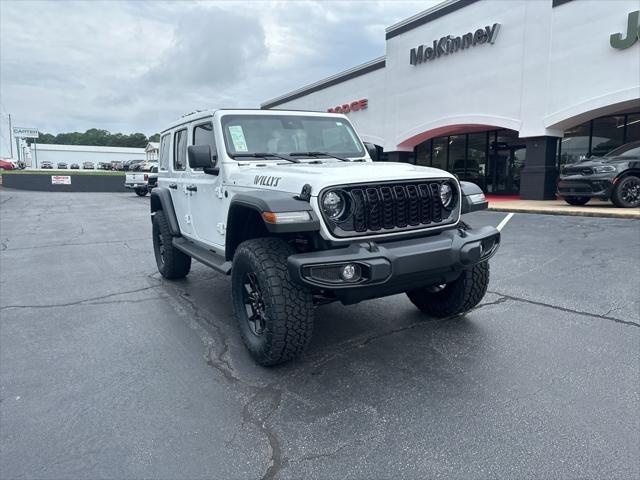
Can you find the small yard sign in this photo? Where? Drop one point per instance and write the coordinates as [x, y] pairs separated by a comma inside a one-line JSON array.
[[60, 180]]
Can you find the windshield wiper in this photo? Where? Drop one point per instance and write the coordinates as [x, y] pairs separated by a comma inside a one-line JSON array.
[[266, 155], [317, 154]]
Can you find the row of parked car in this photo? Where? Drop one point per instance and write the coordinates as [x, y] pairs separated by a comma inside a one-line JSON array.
[[127, 165]]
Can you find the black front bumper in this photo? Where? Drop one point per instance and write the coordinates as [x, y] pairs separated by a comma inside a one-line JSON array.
[[395, 267], [598, 186]]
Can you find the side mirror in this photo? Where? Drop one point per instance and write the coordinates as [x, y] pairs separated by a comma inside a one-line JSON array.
[[372, 150], [200, 157]]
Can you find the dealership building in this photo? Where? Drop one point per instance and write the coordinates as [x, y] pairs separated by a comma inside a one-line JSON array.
[[499, 93]]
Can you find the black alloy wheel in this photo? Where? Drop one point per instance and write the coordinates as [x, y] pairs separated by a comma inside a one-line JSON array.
[[627, 192], [254, 304], [275, 314], [171, 262]]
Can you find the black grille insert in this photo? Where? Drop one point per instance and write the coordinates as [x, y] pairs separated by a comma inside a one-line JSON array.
[[385, 208]]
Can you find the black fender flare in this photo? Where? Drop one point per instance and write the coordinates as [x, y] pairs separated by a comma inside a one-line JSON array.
[[471, 199], [276, 202], [161, 200]]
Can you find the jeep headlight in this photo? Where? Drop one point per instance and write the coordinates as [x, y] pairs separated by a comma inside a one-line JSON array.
[[446, 194], [604, 169], [334, 205]]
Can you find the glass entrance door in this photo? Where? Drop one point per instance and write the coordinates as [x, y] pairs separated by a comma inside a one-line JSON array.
[[505, 165]]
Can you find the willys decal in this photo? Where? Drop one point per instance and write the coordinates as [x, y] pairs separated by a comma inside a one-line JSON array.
[[266, 180]]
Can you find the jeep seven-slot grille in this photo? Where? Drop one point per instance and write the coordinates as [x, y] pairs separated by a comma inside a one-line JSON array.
[[390, 207]]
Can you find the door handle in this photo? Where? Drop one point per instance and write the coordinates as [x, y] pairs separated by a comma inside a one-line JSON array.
[[173, 185], [192, 188]]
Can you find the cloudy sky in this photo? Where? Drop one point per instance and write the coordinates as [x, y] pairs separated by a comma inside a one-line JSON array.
[[134, 66]]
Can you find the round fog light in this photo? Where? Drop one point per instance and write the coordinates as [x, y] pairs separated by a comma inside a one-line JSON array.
[[350, 272]]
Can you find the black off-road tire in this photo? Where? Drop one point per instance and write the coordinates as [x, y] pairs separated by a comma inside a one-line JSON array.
[[454, 298], [171, 262], [287, 308], [576, 200], [141, 192], [625, 194]]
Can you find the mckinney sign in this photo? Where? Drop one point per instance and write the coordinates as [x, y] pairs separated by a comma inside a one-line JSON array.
[[450, 44]]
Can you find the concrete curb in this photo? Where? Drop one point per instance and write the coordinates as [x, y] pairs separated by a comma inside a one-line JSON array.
[[633, 215]]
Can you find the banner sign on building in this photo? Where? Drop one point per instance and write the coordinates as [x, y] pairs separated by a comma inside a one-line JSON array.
[[60, 180], [25, 132], [450, 44]]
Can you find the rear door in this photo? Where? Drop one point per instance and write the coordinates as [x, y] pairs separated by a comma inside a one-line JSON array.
[[206, 202]]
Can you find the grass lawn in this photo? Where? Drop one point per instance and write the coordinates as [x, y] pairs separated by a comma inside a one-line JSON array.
[[63, 172]]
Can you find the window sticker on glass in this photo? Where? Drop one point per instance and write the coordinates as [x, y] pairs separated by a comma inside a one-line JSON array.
[[339, 124], [237, 137]]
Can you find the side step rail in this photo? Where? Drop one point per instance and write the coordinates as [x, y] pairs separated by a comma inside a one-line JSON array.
[[210, 259]]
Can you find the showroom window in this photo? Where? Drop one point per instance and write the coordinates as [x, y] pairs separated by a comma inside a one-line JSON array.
[[458, 155], [575, 144], [598, 137], [439, 155], [632, 132], [423, 154], [607, 133], [477, 158]]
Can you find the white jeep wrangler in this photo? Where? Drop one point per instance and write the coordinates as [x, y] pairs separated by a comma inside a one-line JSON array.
[[290, 205]]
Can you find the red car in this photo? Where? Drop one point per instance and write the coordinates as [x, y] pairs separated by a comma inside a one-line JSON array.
[[6, 165]]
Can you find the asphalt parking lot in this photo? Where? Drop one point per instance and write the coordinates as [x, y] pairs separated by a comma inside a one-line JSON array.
[[107, 371]]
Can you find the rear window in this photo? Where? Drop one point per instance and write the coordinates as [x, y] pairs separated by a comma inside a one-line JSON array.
[[180, 150], [165, 142], [628, 150]]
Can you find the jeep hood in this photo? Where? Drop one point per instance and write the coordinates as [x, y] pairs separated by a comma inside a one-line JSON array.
[[291, 177]]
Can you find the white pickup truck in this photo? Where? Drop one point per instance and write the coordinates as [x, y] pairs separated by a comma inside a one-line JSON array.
[[142, 182]]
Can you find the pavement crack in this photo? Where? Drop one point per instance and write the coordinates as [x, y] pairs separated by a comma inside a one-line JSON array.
[[502, 299], [274, 396], [85, 301], [387, 333], [217, 360], [570, 310], [73, 244], [218, 356], [317, 456]]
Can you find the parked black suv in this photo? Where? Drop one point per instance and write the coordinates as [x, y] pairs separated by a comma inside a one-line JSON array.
[[615, 177]]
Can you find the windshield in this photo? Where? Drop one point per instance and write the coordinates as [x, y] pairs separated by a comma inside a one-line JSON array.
[[628, 150], [286, 134]]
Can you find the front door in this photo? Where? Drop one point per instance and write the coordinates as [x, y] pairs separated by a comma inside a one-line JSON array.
[[207, 203], [505, 165]]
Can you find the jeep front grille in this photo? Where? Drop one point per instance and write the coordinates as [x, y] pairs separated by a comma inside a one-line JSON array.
[[391, 207]]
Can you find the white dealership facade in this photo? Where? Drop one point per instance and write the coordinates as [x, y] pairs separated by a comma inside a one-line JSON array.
[[501, 93]]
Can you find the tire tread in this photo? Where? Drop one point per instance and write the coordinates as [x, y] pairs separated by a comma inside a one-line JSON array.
[[290, 306], [458, 297]]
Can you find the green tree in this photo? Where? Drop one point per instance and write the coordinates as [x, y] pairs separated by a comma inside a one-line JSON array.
[[155, 137], [98, 137]]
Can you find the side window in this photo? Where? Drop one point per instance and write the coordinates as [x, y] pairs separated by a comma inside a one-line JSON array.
[[180, 150], [165, 142], [203, 135]]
